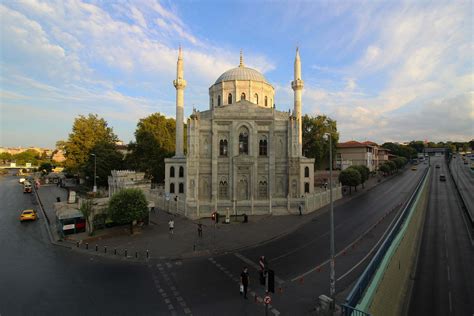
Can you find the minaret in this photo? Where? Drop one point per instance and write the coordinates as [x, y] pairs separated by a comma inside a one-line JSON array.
[[179, 84], [297, 85]]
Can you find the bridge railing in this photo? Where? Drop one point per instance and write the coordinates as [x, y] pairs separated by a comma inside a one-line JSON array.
[[361, 285]]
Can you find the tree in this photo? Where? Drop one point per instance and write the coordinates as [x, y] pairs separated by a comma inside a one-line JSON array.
[[107, 158], [29, 155], [385, 168], [364, 173], [400, 150], [155, 140], [400, 162], [127, 206], [5, 157], [350, 177], [87, 211], [418, 145], [314, 145], [86, 133], [46, 167]]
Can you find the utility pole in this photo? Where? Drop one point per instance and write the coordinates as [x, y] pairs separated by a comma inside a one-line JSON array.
[[94, 189], [332, 275]]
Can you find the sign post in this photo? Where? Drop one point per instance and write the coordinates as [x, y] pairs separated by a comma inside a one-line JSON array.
[[267, 300]]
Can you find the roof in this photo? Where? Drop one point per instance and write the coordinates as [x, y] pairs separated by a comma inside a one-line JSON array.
[[241, 73], [353, 144], [369, 143]]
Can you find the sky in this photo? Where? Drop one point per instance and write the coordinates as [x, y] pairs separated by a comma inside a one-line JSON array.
[[384, 70]]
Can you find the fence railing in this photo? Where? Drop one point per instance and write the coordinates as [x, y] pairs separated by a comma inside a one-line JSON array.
[[347, 310], [359, 288]]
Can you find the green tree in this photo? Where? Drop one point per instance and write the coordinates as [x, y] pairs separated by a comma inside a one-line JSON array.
[[127, 206], [391, 165], [314, 145], [155, 140], [87, 211], [400, 150], [29, 155], [364, 173], [418, 145], [107, 158], [350, 177], [400, 162], [87, 131], [45, 167], [5, 157], [385, 168]]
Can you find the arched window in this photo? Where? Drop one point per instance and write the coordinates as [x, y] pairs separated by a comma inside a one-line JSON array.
[[181, 172], [244, 142], [256, 98], [181, 188], [223, 147], [266, 101], [306, 187], [223, 190], [306, 172], [172, 172], [262, 147], [218, 100], [262, 189], [171, 187], [229, 98], [242, 96]]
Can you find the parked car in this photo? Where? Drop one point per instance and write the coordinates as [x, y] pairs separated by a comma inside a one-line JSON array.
[[438, 166], [28, 215], [442, 177]]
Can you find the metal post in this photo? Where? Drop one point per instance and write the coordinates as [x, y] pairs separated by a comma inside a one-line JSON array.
[[332, 278], [94, 189]]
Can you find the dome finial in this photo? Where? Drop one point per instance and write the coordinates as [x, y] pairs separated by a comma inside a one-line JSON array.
[[241, 59]]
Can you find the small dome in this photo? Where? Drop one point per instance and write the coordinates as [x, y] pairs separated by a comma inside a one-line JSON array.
[[241, 73]]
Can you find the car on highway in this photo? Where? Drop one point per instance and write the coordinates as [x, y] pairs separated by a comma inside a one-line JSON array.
[[28, 215], [438, 166], [21, 180], [413, 168], [442, 177]]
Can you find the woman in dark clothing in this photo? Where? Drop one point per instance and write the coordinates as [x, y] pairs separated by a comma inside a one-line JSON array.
[[244, 280]]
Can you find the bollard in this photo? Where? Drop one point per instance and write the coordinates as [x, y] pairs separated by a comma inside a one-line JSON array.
[[105, 249], [87, 245], [96, 247], [115, 251], [125, 252], [136, 255], [77, 244], [147, 254]]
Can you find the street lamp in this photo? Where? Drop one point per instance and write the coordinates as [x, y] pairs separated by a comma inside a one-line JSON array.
[[94, 189], [332, 275]]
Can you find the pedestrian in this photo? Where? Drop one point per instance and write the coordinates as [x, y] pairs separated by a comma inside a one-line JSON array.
[[171, 226], [200, 230], [244, 281], [300, 208]]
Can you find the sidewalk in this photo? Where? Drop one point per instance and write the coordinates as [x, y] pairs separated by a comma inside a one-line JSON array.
[[185, 243]]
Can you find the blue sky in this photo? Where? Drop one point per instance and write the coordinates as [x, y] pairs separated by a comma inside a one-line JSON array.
[[385, 70]]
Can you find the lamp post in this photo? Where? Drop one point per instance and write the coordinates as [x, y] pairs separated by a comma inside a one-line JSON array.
[[332, 275], [94, 189]]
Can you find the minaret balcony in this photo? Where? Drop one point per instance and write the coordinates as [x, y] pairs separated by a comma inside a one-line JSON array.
[[179, 83], [297, 84]]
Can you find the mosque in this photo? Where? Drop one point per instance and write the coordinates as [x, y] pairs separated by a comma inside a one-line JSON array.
[[243, 155]]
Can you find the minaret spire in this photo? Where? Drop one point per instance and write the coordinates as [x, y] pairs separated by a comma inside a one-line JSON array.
[[297, 85], [241, 59], [179, 84]]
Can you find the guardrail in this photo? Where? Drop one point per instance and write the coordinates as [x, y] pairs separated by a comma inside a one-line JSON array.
[[461, 196], [364, 280]]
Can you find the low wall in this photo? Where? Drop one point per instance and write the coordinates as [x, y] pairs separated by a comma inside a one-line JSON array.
[[388, 291]]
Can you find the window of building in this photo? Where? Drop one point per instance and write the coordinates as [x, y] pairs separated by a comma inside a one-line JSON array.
[[223, 147], [256, 98], [181, 188], [218, 100], [242, 96], [262, 147], [306, 172], [172, 172], [266, 101], [181, 172], [229, 98], [306, 187], [171, 187], [243, 142], [223, 190], [262, 189]]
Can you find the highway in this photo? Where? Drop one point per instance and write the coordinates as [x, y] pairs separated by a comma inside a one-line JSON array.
[[444, 280], [464, 177], [61, 281]]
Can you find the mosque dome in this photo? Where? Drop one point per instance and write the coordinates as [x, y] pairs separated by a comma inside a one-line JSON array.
[[241, 73]]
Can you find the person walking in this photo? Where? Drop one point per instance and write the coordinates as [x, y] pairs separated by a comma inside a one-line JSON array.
[[244, 281], [171, 227], [200, 230]]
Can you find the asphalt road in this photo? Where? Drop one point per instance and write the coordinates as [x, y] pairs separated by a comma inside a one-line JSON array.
[[444, 281], [464, 177], [38, 278]]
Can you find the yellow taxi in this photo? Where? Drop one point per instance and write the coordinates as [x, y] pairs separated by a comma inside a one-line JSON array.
[[28, 215], [413, 168]]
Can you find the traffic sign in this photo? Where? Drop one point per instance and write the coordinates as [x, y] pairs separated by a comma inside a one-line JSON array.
[[267, 299]]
